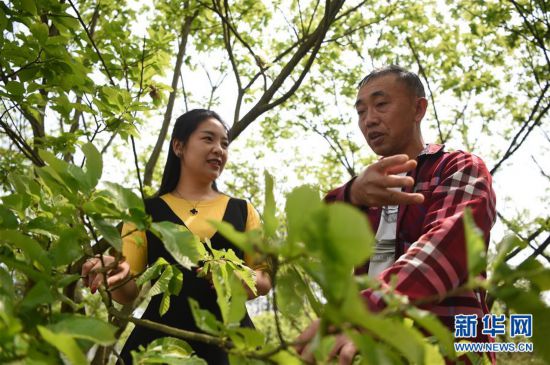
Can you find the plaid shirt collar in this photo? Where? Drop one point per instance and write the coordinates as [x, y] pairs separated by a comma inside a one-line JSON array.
[[431, 149]]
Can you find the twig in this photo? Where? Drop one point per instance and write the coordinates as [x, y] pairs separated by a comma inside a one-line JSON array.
[[91, 38]]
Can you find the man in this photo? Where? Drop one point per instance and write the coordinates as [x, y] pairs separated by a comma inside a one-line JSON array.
[[414, 197]]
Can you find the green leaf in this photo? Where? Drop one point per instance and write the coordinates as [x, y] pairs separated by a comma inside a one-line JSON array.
[[269, 217], [86, 328], [176, 282], [94, 164], [350, 238], [65, 344], [109, 232], [40, 31], [15, 88], [67, 248], [7, 219], [290, 289], [164, 304], [475, 246], [205, 320], [301, 203], [161, 285], [239, 239], [153, 272], [40, 294], [167, 350], [181, 243], [246, 338], [434, 327], [28, 246]]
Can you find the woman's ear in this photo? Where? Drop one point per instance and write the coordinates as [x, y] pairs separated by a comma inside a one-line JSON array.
[[177, 147]]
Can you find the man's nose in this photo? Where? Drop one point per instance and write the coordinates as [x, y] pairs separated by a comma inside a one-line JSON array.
[[370, 119]]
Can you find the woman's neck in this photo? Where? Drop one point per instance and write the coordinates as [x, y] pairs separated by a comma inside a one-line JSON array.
[[191, 189]]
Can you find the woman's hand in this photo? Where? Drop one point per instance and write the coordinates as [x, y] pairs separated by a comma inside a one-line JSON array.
[[94, 269]]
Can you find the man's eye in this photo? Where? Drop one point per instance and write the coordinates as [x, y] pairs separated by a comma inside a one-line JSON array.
[[360, 112], [381, 104]]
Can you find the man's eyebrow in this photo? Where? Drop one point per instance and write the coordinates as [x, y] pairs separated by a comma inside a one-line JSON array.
[[374, 94], [378, 93]]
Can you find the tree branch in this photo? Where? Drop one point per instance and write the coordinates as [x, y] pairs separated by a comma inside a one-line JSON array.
[[514, 145], [312, 46], [423, 73], [153, 158]]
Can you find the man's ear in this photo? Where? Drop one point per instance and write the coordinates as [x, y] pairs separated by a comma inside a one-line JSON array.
[[421, 107]]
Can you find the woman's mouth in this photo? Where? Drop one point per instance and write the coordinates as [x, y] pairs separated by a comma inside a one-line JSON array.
[[215, 163]]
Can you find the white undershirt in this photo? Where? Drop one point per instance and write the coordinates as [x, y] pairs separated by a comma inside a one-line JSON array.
[[384, 251]]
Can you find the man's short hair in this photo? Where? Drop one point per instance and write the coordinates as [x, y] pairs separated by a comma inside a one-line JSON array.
[[411, 80]]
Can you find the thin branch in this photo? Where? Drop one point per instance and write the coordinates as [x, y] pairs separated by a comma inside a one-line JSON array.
[[91, 38], [176, 332], [423, 73], [514, 145], [24, 67], [153, 158], [533, 31], [311, 46], [21, 144], [541, 170]]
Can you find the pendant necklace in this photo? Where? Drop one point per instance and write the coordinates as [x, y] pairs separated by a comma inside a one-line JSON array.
[[193, 210]]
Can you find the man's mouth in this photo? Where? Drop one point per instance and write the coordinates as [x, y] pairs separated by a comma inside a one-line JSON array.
[[375, 136]]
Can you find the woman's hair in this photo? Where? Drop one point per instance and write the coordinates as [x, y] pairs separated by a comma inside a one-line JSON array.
[[185, 125]]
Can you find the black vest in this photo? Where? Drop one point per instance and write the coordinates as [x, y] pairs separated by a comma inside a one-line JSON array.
[[179, 315]]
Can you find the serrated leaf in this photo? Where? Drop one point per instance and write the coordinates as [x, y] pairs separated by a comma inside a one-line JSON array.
[[164, 304], [153, 272], [161, 285]]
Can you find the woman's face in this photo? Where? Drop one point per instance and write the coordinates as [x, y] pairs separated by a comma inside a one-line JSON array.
[[205, 153]]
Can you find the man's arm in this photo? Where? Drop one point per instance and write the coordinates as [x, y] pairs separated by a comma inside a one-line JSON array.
[[436, 263]]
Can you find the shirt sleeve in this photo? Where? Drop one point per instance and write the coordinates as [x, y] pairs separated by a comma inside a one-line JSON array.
[[436, 263], [134, 248], [253, 222]]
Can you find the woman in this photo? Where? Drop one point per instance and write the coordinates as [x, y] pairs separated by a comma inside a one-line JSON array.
[[187, 196]]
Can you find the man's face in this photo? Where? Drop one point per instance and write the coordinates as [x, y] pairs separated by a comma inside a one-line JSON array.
[[389, 116]]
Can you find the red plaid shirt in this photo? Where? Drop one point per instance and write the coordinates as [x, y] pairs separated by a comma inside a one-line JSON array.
[[430, 250]]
